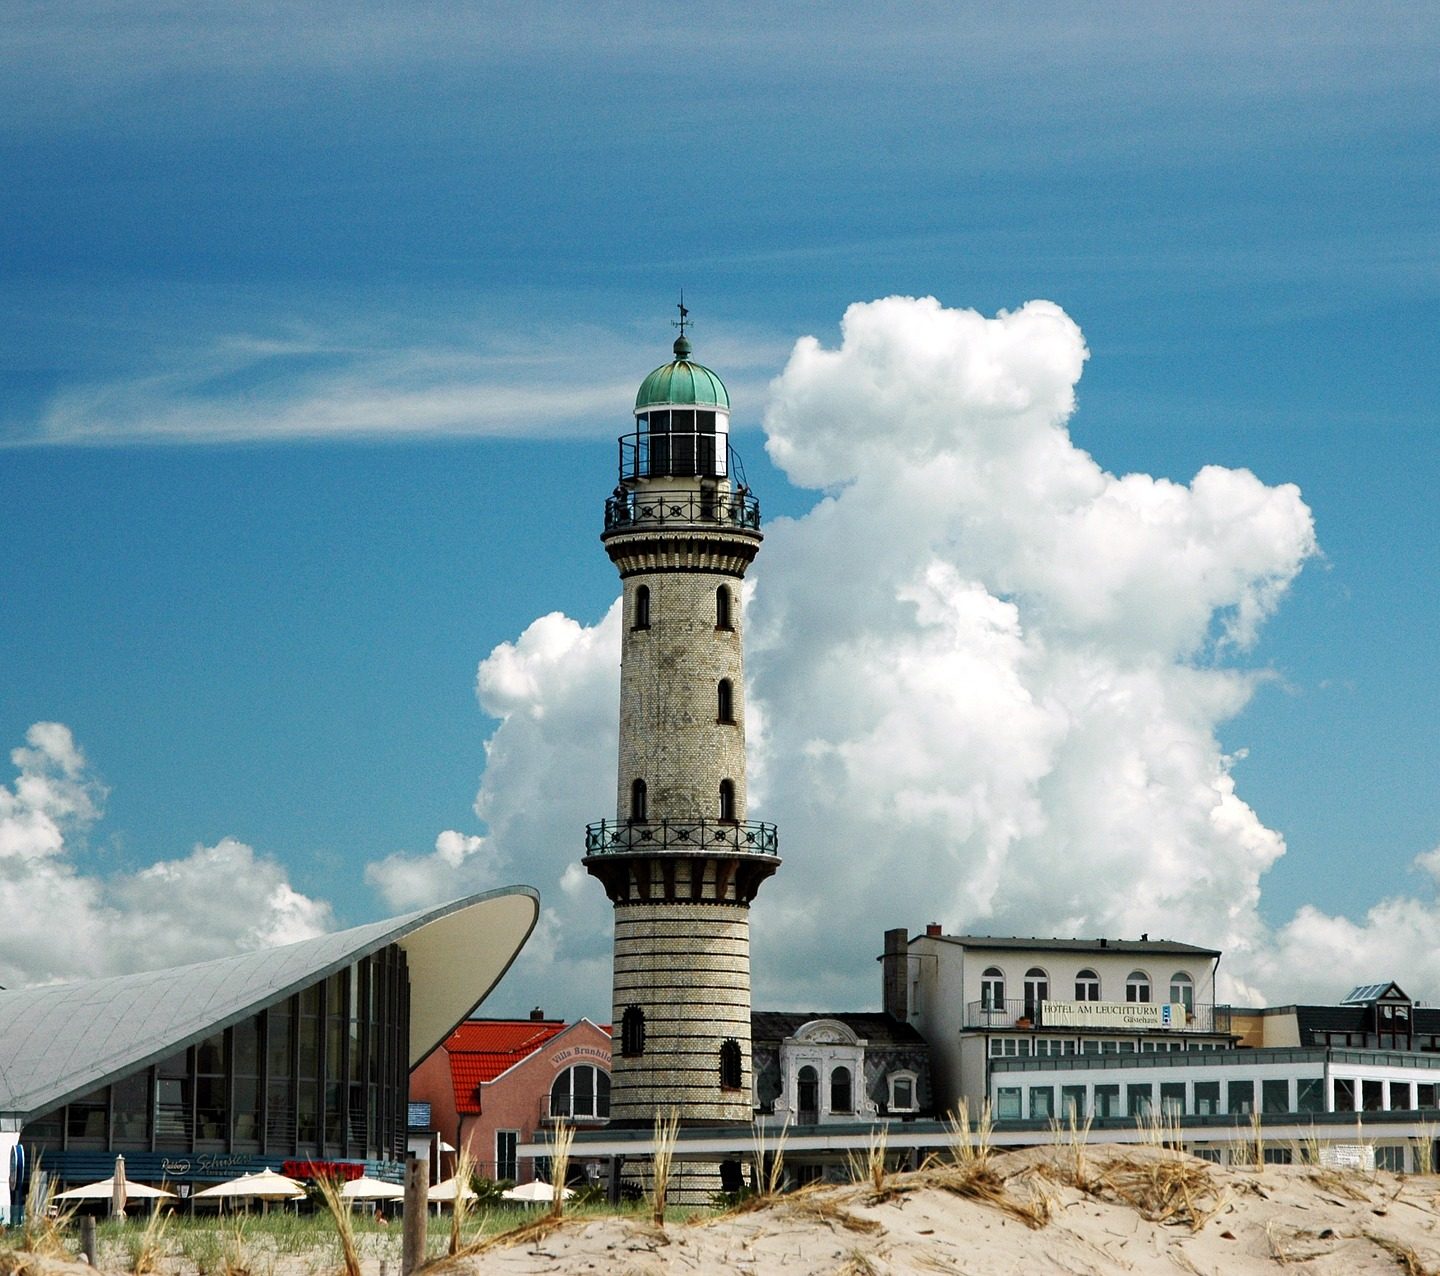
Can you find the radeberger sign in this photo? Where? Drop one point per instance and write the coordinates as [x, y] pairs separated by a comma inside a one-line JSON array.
[[1111, 1014]]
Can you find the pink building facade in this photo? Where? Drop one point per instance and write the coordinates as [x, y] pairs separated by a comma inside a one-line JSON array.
[[495, 1083]]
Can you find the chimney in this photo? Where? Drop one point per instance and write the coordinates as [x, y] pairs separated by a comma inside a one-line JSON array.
[[537, 1015], [895, 974], [932, 929]]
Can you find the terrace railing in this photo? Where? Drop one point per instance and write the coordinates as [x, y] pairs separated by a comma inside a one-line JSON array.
[[629, 837]]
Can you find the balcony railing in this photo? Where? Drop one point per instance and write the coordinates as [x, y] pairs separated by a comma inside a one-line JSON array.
[[660, 509], [1019, 1013], [747, 837]]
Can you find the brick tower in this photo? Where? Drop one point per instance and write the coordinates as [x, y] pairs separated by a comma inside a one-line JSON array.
[[680, 861]]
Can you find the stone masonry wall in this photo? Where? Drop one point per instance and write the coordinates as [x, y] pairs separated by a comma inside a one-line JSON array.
[[669, 691], [687, 968]]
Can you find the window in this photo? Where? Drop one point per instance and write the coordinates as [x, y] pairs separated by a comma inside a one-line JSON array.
[[840, 1091], [632, 1032], [1425, 1096], [506, 1163], [1037, 989], [1344, 1094], [1275, 1096], [1087, 986], [730, 1069], [807, 1094], [581, 1093], [725, 701], [642, 607], [992, 989], [727, 800], [902, 1092], [1140, 1099], [1310, 1095], [86, 1117], [722, 608], [1072, 1103], [1207, 1098], [1042, 1102], [1390, 1157], [1372, 1096], [1182, 991], [1007, 1103], [638, 804], [1137, 987], [1172, 1098], [1283, 1156], [1107, 1101], [1240, 1098], [1009, 1047]]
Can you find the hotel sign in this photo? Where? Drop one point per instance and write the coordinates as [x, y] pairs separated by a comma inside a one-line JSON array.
[[1111, 1014]]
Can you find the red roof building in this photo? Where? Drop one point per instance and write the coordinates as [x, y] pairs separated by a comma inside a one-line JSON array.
[[495, 1082]]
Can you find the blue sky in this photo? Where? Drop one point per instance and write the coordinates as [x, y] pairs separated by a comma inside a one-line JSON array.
[[319, 322]]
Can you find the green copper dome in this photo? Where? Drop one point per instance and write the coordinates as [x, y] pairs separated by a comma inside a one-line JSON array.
[[682, 381]]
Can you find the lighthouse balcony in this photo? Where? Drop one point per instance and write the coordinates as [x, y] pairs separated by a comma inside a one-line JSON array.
[[705, 506], [639, 837]]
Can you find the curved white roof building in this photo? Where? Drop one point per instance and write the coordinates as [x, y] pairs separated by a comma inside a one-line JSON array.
[[297, 1052]]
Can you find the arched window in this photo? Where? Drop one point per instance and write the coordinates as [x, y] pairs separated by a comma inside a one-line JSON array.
[[903, 1097], [1137, 987], [807, 1095], [637, 800], [730, 1069], [642, 607], [581, 1092], [1037, 991], [841, 1098], [632, 1032], [1087, 986], [992, 989], [725, 701], [727, 799], [722, 608], [1182, 991]]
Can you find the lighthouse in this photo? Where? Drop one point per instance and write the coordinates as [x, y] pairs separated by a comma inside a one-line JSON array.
[[681, 860]]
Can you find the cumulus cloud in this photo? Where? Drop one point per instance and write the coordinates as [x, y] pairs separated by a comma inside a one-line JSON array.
[[63, 924], [990, 673], [461, 864]]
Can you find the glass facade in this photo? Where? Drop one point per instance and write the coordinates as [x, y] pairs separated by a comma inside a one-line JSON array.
[[323, 1074]]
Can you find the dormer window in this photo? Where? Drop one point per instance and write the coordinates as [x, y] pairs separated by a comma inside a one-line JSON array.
[[903, 1096]]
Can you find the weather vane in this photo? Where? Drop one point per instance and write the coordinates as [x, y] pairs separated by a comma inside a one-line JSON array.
[[684, 314]]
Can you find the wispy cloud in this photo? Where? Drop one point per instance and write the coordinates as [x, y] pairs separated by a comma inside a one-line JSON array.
[[303, 383]]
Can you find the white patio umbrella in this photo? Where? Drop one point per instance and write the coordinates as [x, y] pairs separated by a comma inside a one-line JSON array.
[[265, 1186], [117, 1201], [445, 1191], [536, 1191], [104, 1190], [367, 1189]]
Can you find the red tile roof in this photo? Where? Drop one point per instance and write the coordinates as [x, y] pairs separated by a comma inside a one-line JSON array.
[[481, 1049]]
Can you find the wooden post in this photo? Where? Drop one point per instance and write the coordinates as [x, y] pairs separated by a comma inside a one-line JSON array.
[[417, 1189], [87, 1238]]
